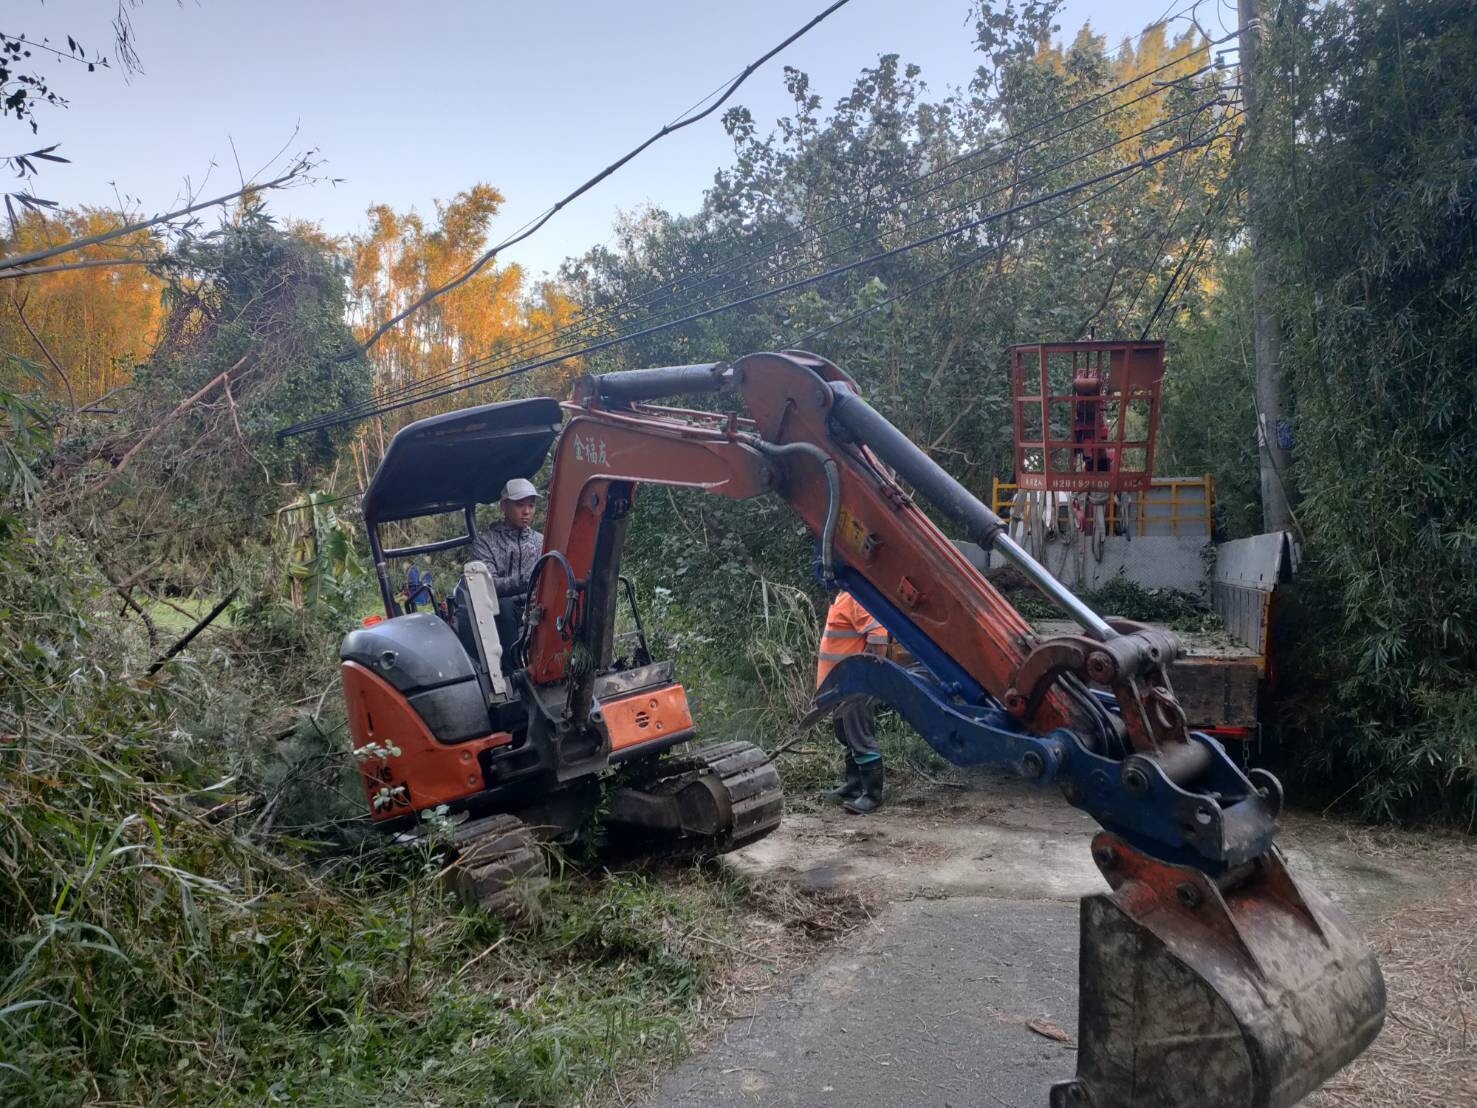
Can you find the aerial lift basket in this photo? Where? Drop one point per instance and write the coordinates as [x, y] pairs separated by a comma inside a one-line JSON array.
[[1086, 415]]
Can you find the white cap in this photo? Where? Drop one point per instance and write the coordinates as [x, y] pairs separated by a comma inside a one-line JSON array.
[[519, 489]]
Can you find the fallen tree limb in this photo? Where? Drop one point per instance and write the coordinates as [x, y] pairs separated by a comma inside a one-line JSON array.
[[180, 608], [127, 595], [125, 590], [301, 167], [210, 618], [63, 267], [241, 437], [183, 406], [137, 575], [20, 311]]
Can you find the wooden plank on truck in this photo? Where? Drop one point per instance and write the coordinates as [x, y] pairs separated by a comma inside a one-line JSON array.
[[1217, 691]]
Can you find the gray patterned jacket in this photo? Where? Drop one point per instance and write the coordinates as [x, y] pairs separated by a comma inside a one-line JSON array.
[[510, 554]]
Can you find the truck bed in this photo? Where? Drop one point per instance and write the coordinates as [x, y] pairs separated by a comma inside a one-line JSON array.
[[1216, 681]]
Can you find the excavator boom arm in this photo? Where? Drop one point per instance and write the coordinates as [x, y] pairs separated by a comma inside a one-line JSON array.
[[809, 438], [1208, 955], [881, 543]]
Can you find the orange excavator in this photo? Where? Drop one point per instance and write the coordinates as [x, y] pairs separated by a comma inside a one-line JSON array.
[[1209, 975]]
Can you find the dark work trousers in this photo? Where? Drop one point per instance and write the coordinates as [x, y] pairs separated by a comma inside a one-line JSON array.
[[855, 724]]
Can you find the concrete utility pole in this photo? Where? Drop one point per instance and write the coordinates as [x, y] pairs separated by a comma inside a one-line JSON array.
[[1266, 336]]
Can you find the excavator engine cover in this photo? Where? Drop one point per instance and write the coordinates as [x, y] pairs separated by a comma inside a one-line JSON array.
[[1244, 992]]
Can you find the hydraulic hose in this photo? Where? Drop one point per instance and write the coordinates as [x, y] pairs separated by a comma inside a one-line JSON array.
[[833, 495], [980, 524], [571, 592]]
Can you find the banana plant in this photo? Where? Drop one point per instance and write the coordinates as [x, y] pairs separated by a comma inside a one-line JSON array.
[[320, 556]]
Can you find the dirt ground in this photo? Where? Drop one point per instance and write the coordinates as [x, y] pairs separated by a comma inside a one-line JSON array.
[[859, 918], [1427, 948]]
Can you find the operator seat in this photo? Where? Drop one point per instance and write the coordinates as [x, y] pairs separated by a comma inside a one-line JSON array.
[[488, 629], [479, 604]]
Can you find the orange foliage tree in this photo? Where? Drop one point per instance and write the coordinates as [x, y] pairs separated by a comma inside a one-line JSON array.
[[491, 315], [85, 327]]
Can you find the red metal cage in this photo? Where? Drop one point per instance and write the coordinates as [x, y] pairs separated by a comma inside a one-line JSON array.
[[1086, 415]]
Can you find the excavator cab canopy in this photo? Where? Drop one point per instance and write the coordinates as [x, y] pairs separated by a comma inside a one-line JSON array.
[[454, 462]]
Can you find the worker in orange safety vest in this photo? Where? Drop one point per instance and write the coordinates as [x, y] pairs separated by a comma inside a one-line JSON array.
[[850, 629]]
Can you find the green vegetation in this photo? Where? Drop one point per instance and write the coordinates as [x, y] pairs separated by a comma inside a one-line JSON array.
[[1208, 419], [1179, 611], [192, 907], [193, 913], [1376, 240]]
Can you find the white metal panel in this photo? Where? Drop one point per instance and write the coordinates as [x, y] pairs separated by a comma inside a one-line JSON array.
[[480, 591]]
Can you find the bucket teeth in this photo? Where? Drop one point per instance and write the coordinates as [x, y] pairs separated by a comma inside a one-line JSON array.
[[1195, 994]]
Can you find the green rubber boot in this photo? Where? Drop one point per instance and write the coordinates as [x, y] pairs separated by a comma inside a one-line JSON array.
[[871, 795], [851, 787]]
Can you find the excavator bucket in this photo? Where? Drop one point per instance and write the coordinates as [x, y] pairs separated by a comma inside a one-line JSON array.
[[1246, 990]]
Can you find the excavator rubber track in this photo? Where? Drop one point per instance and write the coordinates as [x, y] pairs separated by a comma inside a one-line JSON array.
[[753, 787], [499, 865], [739, 773]]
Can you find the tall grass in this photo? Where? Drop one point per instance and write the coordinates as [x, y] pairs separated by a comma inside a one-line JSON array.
[[159, 944], [781, 648]]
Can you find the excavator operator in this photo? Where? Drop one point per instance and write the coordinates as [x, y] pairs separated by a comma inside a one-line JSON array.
[[511, 546]]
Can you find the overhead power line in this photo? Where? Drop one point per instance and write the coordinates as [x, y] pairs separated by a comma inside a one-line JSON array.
[[792, 286], [335, 419], [799, 341], [553, 210], [1170, 227], [424, 388], [588, 320], [973, 260], [798, 239], [1186, 267]]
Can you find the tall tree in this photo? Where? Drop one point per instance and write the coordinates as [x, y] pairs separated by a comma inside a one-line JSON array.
[[1374, 166], [401, 255], [87, 327]]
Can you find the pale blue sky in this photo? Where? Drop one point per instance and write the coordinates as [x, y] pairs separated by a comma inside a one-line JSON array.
[[413, 101]]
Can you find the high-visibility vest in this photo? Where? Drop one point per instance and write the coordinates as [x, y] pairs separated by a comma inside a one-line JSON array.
[[850, 629]]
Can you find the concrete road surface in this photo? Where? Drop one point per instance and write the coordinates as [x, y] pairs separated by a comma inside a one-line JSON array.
[[975, 934], [929, 1009]]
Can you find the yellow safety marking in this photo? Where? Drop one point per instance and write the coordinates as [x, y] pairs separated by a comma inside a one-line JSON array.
[[851, 532]]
